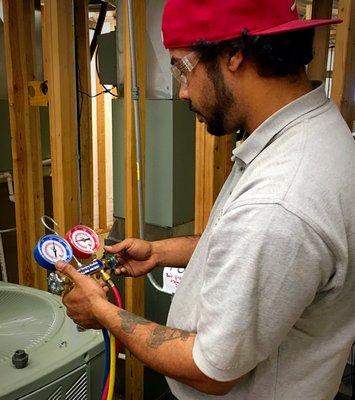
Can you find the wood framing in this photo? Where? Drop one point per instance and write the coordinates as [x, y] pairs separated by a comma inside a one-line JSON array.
[[213, 164], [134, 288], [343, 86], [19, 40], [101, 156], [317, 69], [85, 115], [59, 66]]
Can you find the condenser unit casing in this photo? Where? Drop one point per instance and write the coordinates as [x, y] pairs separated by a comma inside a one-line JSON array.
[[64, 363]]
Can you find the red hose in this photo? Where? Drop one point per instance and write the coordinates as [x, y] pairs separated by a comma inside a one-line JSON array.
[[105, 391], [119, 303], [117, 296]]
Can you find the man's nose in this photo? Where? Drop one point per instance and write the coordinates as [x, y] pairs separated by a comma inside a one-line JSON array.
[[183, 92]]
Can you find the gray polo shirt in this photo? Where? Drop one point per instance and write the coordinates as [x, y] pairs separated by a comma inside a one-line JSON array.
[[270, 288]]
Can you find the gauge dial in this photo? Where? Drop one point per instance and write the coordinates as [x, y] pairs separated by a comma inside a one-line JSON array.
[[83, 240], [50, 249]]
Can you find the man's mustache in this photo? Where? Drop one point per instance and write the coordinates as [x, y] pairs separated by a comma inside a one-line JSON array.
[[191, 107]]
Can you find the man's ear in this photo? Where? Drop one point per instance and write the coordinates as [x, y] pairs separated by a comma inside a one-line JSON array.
[[235, 60]]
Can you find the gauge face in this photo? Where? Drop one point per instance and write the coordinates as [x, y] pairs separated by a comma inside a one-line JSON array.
[[53, 248], [83, 240]]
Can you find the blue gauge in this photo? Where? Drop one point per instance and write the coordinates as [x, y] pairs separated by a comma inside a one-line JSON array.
[[50, 249]]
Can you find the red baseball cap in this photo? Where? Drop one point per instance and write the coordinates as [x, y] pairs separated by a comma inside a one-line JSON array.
[[185, 22]]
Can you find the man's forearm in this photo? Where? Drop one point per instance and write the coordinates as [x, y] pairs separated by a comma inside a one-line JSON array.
[[166, 350], [175, 252]]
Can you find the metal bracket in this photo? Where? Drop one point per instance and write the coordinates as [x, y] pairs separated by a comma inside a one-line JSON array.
[[37, 93]]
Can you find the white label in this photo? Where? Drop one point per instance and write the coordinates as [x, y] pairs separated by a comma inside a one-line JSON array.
[[172, 278]]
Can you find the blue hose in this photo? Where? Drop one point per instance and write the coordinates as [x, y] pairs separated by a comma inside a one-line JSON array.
[[107, 357]]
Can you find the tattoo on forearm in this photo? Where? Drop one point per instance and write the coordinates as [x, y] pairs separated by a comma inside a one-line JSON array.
[[129, 321], [162, 334]]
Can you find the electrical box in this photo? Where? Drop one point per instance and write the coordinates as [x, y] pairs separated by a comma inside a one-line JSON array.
[[107, 59]]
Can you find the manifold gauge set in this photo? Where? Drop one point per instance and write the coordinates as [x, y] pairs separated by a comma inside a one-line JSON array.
[[80, 242]]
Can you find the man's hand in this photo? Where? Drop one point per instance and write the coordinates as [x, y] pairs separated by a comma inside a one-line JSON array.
[[85, 296], [135, 256]]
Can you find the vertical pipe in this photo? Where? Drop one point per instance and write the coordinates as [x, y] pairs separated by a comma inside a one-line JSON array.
[[137, 130], [135, 99], [2, 261]]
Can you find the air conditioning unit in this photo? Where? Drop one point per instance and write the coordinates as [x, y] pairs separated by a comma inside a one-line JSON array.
[[63, 362]]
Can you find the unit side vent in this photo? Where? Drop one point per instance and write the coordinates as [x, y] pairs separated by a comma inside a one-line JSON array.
[[57, 395], [79, 390]]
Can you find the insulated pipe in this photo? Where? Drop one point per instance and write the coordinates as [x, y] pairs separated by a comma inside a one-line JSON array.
[[2, 262], [135, 100], [2, 255], [10, 186]]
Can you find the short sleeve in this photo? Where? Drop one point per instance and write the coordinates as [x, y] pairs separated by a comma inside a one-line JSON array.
[[264, 267]]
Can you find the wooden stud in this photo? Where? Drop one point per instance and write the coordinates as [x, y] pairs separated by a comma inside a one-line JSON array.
[[19, 41], [134, 288], [200, 177], [317, 69], [61, 75], [85, 112], [101, 156], [343, 87], [213, 165]]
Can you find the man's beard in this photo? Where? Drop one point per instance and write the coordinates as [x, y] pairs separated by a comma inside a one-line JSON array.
[[215, 115]]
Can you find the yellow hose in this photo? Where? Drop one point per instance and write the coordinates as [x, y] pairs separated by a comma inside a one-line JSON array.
[[111, 384]]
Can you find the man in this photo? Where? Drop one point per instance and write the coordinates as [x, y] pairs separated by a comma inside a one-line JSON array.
[[265, 309]]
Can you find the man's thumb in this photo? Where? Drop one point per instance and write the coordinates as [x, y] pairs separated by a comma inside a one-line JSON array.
[[68, 270]]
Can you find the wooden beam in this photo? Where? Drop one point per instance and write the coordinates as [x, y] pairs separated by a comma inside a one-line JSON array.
[[19, 40], [61, 75], [213, 164], [343, 87], [85, 112], [101, 156], [201, 135], [317, 69], [134, 288]]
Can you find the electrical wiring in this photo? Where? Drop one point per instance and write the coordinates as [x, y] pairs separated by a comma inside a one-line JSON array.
[[93, 95], [106, 90]]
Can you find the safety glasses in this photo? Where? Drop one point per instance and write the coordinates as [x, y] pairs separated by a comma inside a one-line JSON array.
[[184, 66]]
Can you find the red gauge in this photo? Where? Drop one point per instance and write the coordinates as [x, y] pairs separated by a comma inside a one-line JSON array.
[[84, 241]]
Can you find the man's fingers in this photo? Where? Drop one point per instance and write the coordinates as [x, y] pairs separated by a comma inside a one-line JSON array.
[[118, 247], [67, 270], [104, 286], [120, 270]]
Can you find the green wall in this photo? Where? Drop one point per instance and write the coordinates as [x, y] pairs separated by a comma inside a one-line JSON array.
[[170, 162], [5, 135]]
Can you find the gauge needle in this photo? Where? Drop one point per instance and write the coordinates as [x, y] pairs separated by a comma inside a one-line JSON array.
[[83, 240], [54, 250]]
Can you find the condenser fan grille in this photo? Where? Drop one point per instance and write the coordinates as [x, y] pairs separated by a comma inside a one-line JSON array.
[[27, 319]]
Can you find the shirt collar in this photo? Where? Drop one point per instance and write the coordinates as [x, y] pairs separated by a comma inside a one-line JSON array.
[[261, 137]]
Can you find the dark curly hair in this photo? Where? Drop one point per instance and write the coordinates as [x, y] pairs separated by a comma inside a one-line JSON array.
[[277, 55]]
